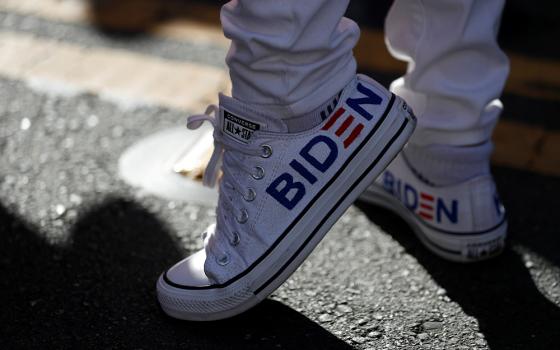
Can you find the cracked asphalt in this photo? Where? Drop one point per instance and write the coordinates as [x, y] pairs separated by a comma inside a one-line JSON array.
[[80, 252]]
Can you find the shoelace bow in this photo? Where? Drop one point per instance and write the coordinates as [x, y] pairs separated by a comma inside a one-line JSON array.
[[228, 156]]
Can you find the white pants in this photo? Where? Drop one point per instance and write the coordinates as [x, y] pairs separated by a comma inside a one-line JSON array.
[[298, 53]]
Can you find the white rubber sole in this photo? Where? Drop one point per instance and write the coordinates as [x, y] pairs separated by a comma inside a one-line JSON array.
[[458, 247], [287, 254]]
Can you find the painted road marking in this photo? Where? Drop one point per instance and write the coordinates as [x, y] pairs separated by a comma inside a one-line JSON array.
[[125, 77]]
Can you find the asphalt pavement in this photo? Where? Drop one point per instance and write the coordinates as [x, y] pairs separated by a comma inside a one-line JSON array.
[[80, 250]]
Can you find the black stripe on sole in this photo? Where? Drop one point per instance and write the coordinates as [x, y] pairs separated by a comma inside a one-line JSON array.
[[477, 233]]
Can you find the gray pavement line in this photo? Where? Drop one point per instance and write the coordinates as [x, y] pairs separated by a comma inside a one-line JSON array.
[[87, 36], [127, 78]]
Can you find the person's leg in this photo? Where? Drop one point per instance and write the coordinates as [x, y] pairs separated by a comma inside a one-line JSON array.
[[455, 76], [300, 139], [441, 181], [293, 55], [456, 70]]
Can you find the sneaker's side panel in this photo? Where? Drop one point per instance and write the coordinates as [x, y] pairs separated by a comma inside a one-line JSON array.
[[476, 233]]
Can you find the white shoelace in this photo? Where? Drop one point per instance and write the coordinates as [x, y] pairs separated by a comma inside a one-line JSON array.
[[229, 156]]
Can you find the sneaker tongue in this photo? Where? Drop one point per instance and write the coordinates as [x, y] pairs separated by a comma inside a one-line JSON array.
[[239, 121]]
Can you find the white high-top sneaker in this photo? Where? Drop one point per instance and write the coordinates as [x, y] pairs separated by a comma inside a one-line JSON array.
[[464, 222], [279, 195]]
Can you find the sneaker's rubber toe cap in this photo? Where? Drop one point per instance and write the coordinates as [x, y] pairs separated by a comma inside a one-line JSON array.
[[189, 271]]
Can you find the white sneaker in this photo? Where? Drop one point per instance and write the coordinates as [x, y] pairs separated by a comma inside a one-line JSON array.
[[279, 195], [464, 222]]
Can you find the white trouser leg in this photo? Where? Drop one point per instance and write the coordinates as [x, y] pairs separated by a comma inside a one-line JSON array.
[[291, 53], [456, 70]]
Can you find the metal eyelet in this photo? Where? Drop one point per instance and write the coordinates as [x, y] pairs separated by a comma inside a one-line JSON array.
[[236, 239], [244, 217], [258, 174], [251, 195], [266, 151], [223, 260]]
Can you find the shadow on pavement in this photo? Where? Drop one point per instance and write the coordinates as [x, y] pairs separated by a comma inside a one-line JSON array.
[[500, 293], [99, 292], [532, 204]]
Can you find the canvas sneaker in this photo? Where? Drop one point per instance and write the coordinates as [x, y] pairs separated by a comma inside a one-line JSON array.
[[465, 222], [279, 194]]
